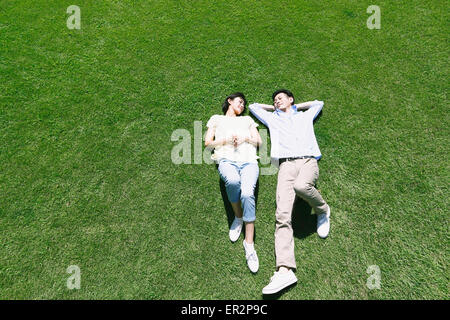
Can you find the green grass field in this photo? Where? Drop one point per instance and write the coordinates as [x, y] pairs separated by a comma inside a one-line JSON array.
[[86, 118]]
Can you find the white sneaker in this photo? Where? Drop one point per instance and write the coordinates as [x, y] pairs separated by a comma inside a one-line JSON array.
[[323, 224], [252, 258], [235, 229], [279, 281]]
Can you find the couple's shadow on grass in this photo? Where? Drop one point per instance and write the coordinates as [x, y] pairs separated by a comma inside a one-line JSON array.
[[303, 223]]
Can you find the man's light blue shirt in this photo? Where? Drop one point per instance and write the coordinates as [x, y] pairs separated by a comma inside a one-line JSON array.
[[291, 134]]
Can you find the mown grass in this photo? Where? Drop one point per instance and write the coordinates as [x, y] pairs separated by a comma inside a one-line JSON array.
[[86, 176]]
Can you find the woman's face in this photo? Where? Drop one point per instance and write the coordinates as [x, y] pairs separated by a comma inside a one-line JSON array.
[[237, 104]]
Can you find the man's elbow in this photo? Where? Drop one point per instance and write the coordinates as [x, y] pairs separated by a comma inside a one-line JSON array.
[[253, 106]]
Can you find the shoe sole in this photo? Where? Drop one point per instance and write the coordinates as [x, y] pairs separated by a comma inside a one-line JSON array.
[[247, 262], [329, 221], [233, 241], [236, 238], [323, 237], [252, 270], [280, 288]]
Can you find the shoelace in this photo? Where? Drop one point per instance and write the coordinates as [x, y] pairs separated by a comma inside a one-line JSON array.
[[322, 218], [251, 256], [274, 274]]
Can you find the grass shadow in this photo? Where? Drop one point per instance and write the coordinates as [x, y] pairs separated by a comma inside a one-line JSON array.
[[226, 203], [304, 223]]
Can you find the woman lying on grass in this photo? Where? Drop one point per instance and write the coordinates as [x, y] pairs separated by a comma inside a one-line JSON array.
[[234, 139]]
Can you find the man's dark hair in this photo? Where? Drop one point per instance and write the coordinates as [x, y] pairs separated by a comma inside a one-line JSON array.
[[226, 104], [287, 92]]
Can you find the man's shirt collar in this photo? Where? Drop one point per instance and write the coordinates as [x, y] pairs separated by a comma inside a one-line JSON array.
[[293, 107]]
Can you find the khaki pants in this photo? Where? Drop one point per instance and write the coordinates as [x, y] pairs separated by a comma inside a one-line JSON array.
[[297, 177]]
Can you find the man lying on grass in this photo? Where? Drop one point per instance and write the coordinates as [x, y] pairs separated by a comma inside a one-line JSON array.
[[295, 149]]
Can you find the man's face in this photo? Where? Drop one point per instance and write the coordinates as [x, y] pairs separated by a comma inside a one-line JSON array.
[[283, 102]]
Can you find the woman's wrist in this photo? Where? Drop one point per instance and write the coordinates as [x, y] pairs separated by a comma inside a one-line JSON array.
[[250, 140]]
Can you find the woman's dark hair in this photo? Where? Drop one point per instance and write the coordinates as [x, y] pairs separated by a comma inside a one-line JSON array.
[[226, 104], [287, 92]]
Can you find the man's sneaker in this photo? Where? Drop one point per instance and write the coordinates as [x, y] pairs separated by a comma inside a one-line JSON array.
[[279, 281], [323, 224], [252, 257], [235, 229]]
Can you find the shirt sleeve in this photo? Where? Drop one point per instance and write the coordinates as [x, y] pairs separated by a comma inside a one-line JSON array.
[[212, 122], [262, 115], [315, 109], [251, 123]]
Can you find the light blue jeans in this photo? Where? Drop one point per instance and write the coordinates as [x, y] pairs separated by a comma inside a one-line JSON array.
[[240, 181]]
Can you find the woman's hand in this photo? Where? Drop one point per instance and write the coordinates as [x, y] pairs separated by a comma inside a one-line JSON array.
[[255, 138], [238, 140], [228, 140]]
